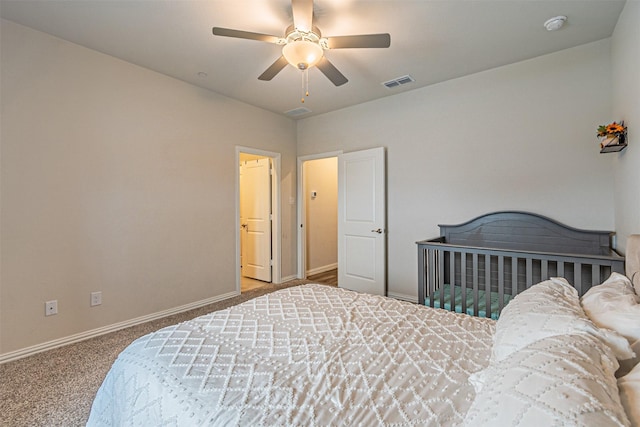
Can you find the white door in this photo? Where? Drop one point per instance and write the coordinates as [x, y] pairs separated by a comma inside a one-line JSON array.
[[362, 221], [255, 219]]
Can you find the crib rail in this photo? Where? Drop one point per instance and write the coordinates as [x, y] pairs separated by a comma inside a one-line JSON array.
[[481, 281]]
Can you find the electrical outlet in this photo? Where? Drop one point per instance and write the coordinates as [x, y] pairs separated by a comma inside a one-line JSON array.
[[51, 308], [96, 298]]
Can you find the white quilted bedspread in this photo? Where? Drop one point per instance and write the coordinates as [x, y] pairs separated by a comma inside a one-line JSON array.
[[303, 356]]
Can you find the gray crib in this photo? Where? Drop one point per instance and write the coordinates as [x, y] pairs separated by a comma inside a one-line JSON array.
[[478, 266]]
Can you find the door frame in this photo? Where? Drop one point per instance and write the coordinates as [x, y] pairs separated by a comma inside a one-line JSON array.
[[302, 209], [276, 221]]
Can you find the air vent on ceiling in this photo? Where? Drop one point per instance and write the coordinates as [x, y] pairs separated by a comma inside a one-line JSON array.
[[297, 112], [399, 81]]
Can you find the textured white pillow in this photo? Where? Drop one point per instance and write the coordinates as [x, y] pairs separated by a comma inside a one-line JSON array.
[[629, 388], [615, 305], [560, 380], [548, 309]]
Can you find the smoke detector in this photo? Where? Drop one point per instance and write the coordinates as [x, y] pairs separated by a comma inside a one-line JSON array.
[[555, 23]]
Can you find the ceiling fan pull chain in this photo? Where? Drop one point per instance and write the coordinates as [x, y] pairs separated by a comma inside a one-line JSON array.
[[306, 72], [305, 84]]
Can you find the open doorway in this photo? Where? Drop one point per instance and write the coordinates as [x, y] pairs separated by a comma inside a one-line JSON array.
[[318, 214], [258, 218]]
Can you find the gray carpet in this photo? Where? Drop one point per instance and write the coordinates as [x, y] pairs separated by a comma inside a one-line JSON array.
[[57, 387]]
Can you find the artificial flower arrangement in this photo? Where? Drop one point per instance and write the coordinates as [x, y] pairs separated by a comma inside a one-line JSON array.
[[613, 133]]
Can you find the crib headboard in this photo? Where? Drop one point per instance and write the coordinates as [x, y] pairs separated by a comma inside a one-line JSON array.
[[515, 230]]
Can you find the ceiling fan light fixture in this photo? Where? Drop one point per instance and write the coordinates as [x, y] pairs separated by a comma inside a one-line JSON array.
[[302, 54]]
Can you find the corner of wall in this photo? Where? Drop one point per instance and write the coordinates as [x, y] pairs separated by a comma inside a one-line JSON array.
[[625, 61]]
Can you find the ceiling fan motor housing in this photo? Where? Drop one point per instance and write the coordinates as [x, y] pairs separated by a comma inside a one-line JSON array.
[[293, 34]]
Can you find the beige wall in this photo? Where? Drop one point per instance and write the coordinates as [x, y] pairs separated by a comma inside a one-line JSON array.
[[626, 106], [516, 137], [117, 179], [321, 176]]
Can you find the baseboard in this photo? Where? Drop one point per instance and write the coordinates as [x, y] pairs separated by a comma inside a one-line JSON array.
[[286, 279], [322, 269], [403, 297], [50, 345]]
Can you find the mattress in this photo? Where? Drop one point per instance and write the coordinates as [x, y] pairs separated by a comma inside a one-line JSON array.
[[302, 356], [482, 301]]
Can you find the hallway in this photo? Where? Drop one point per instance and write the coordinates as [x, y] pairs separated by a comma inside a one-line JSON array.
[[327, 278]]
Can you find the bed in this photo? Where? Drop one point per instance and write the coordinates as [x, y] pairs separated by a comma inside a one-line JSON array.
[[478, 266], [316, 355]]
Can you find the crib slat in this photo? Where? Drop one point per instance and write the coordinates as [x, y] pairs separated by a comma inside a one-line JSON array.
[[428, 273], [463, 280], [441, 259], [595, 275], [577, 277], [500, 283], [514, 276], [487, 285], [529, 272], [475, 284], [560, 269], [544, 270], [452, 279], [432, 276], [422, 280]]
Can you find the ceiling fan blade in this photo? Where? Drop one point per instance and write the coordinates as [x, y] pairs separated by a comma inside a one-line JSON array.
[[363, 40], [302, 14], [274, 69], [332, 73], [227, 32]]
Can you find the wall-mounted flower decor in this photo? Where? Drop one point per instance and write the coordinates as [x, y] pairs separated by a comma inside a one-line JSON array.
[[612, 136]]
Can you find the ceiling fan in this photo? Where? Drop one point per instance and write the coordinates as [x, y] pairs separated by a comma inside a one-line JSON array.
[[304, 46]]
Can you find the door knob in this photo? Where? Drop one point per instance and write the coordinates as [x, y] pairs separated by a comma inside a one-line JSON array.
[[379, 231]]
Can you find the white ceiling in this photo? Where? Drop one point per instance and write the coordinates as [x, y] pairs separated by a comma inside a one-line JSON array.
[[431, 40]]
